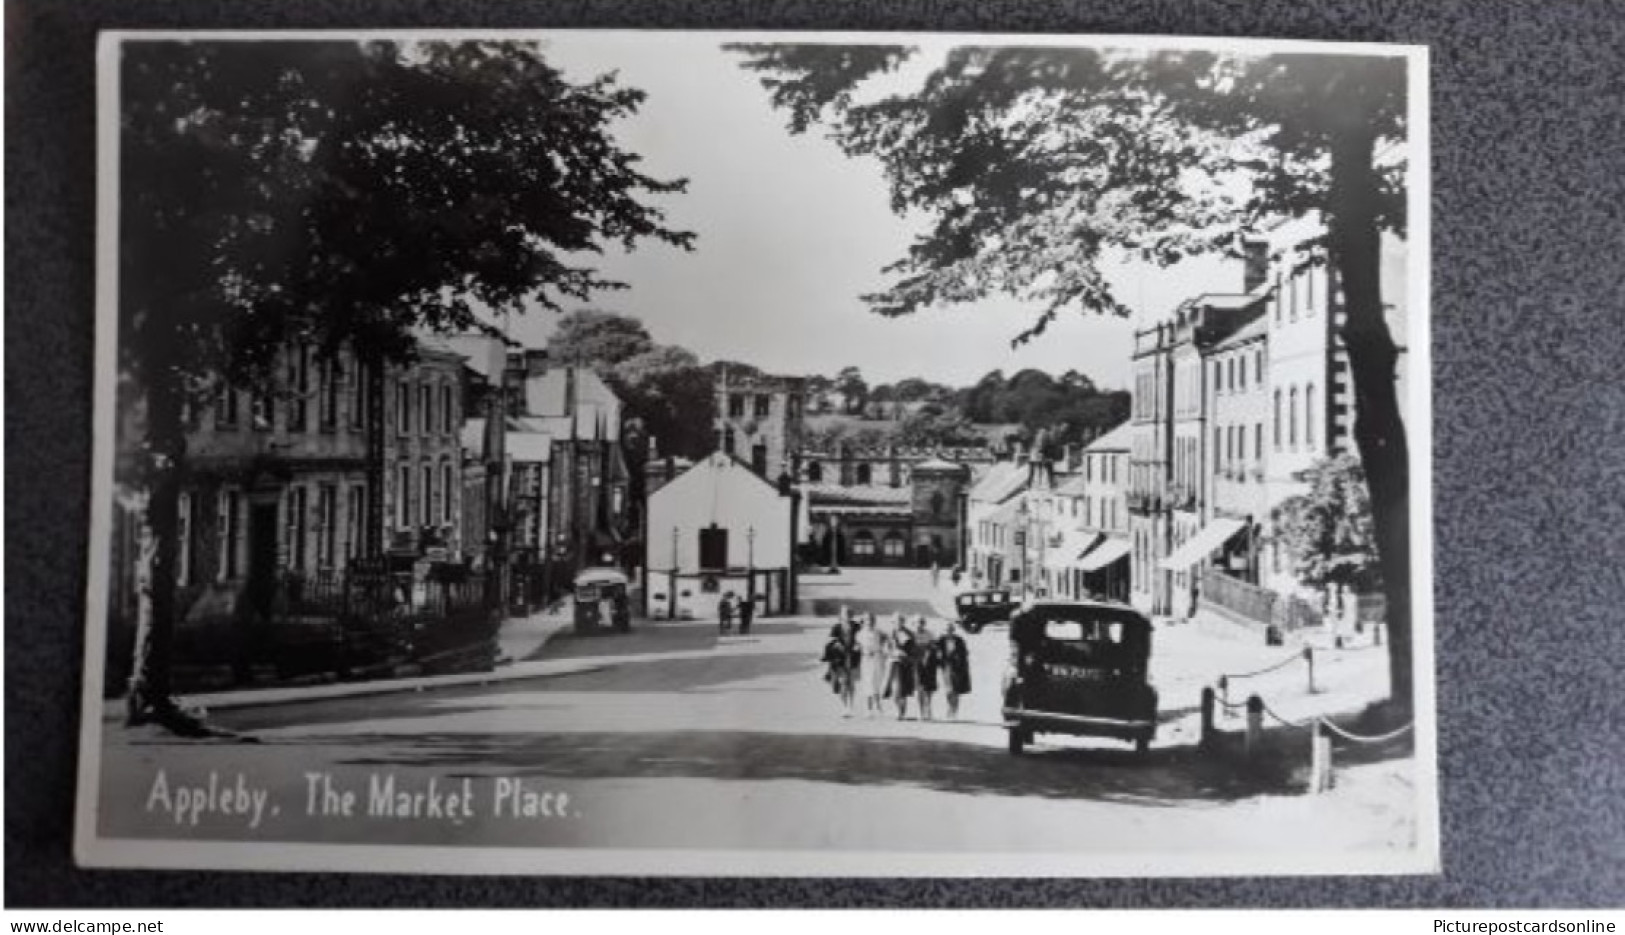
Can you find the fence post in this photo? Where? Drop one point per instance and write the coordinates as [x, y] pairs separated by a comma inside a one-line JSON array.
[[1320, 759], [1255, 723], [1207, 717], [1224, 694], [1309, 660]]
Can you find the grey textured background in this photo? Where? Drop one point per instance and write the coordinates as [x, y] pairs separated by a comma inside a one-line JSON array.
[[1529, 338]]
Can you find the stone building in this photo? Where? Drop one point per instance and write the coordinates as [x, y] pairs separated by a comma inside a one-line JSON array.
[[1150, 463], [760, 420], [422, 453]]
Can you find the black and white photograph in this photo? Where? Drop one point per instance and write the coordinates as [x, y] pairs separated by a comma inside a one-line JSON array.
[[760, 454]]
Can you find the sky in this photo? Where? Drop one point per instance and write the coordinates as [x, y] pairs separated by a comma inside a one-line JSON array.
[[790, 233]]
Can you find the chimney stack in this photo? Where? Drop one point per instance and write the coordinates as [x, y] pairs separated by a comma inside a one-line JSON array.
[[1256, 268]]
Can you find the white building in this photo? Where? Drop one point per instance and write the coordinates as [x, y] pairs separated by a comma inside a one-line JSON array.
[[717, 528]]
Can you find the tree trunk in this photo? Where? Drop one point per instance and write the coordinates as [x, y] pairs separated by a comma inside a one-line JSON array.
[[151, 688], [1379, 430]]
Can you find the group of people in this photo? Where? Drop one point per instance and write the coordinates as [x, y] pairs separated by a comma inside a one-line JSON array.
[[901, 661], [731, 607]]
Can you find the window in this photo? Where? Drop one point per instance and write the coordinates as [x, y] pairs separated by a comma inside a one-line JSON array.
[[446, 492], [1258, 442], [865, 474], [1218, 448], [1241, 371], [758, 459], [893, 546], [1278, 436], [360, 396], [225, 408], [736, 406], [431, 496], [1292, 417], [297, 527], [728, 441], [425, 409], [815, 472], [329, 414], [1309, 414], [1218, 379], [1292, 297], [937, 502], [714, 547], [299, 383], [863, 544], [353, 511], [183, 536], [403, 407], [448, 410], [764, 406], [403, 498], [1258, 367], [261, 412], [327, 519], [230, 509]]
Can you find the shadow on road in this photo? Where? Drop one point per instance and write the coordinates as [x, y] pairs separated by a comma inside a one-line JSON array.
[[1167, 777]]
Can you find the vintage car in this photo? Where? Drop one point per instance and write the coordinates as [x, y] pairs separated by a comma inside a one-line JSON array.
[[977, 609], [602, 601], [1079, 668]]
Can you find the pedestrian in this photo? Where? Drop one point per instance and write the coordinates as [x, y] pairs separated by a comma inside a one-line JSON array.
[[747, 613], [840, 667], [935, 573], [872, 647], [900, 684], [954, 655], [725, 612], [928, 659]]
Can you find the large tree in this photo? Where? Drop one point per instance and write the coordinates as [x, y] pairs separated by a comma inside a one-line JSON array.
[[1033, 166], [341, 195], [598, 339], [1327, 529]]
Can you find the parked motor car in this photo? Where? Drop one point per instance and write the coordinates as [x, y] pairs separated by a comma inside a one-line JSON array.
[[977, 609], [602, 601], [1079, 668]]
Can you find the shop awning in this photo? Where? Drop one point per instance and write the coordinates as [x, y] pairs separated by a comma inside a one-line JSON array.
[[1202, 544], [1072, 545], [1113, 549]]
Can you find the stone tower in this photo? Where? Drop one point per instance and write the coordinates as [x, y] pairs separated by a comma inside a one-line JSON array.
[[760, 420]]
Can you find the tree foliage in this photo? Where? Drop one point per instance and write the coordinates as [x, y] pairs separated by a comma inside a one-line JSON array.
[[600, 339], [1032, 166], [1328, 529], [341, 194]]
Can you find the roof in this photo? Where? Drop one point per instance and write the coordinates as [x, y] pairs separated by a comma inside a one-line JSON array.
[[1001, 482], [595, 402], [875, 494], [1256, 328], [1118, 439], [1005, 514]]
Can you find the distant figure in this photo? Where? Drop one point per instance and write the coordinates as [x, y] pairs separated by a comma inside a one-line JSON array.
[[935, 573], [927, 659], [900, 683], [841, 662], [747, 613], [958, 575], [725, 612], [873, 646], [955, 658]]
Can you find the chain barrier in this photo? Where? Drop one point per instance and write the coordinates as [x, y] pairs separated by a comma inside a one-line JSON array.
[[1358, 738], [1295, 657]]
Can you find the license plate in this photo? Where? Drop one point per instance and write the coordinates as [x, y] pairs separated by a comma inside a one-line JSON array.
[[1075, 673]]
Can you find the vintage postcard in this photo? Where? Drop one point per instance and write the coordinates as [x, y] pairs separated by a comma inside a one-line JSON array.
[[760, 454]]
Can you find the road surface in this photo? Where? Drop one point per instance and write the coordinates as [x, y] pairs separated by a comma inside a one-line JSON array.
[[676, 736]]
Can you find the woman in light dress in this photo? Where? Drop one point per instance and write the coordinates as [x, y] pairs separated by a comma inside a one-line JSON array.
[[873, 647]]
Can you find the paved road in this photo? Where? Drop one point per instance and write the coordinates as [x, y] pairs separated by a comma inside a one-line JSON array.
[[677, 736]]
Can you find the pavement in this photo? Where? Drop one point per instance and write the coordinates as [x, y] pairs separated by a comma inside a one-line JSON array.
[[677, 736]]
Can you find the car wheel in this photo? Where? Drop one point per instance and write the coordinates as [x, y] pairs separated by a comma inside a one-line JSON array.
[[1018, 741]]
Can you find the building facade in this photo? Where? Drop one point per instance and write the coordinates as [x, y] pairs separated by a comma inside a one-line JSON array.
[[422, 454], [720, 528], [760, 421]]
